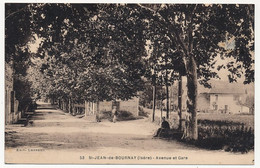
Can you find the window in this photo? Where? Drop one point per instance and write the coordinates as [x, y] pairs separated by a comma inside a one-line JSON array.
[[236, 97], [216, 97], [226, 108]]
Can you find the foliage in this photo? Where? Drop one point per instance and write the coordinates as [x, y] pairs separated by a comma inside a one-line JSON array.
[[221, 135], [146, 96], [23, 93], [142, 112], [17, 36], [196, 32], [122, 116], [17, 30], [96, 64], [228, 137], [250, 102], [218, 123], [98, 51]]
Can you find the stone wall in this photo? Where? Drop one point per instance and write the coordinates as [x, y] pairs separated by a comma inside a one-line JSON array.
[[105, 106], [130, 105]]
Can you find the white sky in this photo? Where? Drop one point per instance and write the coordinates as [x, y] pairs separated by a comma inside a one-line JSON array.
[[33, 46]]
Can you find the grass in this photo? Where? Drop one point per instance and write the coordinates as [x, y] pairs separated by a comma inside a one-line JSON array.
[[246, 119]]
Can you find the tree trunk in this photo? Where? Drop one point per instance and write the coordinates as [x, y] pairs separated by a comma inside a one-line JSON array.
[[154, 102], [66, 103], [93, 108], [180, 101], [98, 107], [86, 108], [73, 107], [167, 101], [52, 100], [167, 89], [161, 99], [70, 106], [192, 94], [98, 119]]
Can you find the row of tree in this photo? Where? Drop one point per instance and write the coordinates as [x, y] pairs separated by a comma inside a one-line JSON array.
[[98, 52]]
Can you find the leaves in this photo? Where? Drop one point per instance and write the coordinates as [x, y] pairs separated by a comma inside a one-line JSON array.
[[98, 51]]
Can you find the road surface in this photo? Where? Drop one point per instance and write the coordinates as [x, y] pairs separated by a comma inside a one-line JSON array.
[[57, 137]]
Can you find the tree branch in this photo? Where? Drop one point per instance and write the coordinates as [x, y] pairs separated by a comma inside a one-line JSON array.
[[165, 22], [11, 14], [190, 37]]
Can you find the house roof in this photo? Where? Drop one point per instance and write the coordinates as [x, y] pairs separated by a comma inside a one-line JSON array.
[[222, 87]]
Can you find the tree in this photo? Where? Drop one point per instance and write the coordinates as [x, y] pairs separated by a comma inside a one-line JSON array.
[[111, 38], [250, 103], [197, 30], [17, 54], [102, 58]]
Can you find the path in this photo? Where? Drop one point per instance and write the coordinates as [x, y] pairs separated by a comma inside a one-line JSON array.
[[58, 137]]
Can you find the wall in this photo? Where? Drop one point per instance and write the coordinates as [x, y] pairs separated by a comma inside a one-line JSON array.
[[226, 99], [105, 106], [203, 102], [8, 91], [130, 105]]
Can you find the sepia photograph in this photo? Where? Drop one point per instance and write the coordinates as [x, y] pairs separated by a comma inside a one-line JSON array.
[[129, 83]]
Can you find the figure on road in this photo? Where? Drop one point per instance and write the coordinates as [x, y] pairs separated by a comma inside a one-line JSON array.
[[114, 113], [165, 126], [98, 118]]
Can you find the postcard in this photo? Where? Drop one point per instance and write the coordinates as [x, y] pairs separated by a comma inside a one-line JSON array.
[[129, 84]]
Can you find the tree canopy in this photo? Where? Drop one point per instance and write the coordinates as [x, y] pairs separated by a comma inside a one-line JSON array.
[[99, 51]]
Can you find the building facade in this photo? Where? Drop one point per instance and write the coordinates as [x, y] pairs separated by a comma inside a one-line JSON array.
[[222, 97], [131, 105], [12, 114], [228, 99]]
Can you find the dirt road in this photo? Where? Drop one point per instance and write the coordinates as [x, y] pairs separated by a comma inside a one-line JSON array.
[[57, 137]]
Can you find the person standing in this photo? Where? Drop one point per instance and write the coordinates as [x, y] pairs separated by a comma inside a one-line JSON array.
[[114, 113]]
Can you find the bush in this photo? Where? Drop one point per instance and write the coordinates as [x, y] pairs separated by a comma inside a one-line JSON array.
[[106, 115], [126, 115], [122, 116], [142, 112], [234, 138], [223, 135], [218, 123]]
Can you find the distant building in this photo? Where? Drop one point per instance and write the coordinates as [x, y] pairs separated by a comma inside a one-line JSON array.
[[222, 97], [228, 98], [130, 105]]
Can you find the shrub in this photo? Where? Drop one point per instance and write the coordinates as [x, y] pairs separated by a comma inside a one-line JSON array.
[[142, 112], [106, 115], [122, 116], [234, 138], [126, 115]]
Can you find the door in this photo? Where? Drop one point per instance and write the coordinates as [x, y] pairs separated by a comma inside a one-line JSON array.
[[226, 108]]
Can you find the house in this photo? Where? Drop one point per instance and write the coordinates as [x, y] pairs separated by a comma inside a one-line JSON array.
[[227, 97], [222, 97], [12, 114], [203, 96]]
